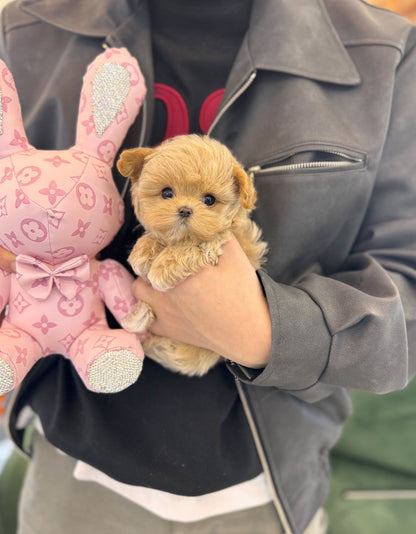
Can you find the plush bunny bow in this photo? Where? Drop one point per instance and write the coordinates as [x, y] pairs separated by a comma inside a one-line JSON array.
[[37, 277]]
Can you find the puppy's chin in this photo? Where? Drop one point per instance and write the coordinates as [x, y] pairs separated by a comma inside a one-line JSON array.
[[200, 227], [178, 233], [185, 233]]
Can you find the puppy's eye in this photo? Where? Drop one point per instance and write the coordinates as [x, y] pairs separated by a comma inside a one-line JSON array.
[[167, 193], [209, 200]]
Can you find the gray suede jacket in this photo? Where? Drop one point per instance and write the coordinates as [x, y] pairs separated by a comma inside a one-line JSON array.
[[320, 107]]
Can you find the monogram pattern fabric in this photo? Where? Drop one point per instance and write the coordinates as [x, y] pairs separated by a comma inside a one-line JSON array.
[[58, 209]]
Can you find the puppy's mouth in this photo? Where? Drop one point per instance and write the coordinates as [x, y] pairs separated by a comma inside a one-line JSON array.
[[185, 225], [184, 229]]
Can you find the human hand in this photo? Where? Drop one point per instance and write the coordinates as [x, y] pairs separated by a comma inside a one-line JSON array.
[[7, 260], [221, 308]]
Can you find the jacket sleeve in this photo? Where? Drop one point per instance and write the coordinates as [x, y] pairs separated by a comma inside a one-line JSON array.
[[357, 328]]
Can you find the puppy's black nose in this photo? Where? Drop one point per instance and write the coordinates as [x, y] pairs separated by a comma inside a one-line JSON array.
[[185, 212]]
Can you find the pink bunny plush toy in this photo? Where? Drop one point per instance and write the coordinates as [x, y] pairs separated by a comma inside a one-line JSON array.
[[58, 209]]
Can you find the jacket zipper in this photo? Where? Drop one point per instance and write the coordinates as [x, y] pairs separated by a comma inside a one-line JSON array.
[[143, 110], [231, 101], [350, 162], [144, 123], [263, 460], [279, 508]]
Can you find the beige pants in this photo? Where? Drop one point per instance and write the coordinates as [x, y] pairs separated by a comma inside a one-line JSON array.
[[53, 502]]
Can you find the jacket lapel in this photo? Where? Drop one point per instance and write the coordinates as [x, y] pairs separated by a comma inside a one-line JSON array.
[[94, 18], [301, 40]]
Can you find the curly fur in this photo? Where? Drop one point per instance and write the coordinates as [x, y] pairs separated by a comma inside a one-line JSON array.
[[174, 247]]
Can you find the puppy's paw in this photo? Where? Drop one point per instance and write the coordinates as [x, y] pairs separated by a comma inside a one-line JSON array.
[[211, 250], [139, 319], [139, 265], [210, 255], [176, 263], [162, 278], [143, 253]]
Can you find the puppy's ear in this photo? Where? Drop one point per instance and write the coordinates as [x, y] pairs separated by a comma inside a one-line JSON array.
[[248, 195], [130, 162]]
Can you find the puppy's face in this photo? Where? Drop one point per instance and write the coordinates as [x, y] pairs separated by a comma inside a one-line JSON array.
[[189, 189], [181, 205]]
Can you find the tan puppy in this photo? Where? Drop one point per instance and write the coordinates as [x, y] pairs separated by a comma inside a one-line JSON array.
[[190, 195]]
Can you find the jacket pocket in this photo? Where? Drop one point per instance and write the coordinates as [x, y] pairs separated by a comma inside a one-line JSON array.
[[310, 160], [311, 201]]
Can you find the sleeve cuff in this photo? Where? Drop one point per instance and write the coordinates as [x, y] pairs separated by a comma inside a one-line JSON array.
[[300, 340]]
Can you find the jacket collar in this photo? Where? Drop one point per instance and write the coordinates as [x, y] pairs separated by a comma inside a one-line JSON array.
[[301, 38], [93, 18]]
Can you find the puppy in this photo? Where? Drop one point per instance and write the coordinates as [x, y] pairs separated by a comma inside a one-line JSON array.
[[190, 195]]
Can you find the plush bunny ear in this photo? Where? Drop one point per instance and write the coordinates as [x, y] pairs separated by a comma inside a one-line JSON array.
[[112, 93], [12, 133]]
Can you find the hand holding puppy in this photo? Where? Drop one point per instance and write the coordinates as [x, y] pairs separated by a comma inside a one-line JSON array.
[[221, 308], [191, 196]]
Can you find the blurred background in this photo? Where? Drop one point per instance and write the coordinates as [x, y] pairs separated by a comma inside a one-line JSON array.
[[404, 7], [374, 464]]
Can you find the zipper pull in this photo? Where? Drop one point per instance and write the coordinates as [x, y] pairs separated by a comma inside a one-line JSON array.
[[252, 171]]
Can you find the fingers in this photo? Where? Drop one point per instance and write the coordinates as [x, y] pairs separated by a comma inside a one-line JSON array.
[[142, 290], [7, 260]]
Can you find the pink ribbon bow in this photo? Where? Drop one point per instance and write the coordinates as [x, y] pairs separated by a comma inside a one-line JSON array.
[[37, 278]]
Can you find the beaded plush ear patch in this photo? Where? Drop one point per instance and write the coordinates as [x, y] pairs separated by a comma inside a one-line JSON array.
[[110, 88]]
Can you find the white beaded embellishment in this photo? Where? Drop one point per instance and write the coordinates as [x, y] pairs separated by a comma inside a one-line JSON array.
[[110, 88], [114, 371], [6, 377]]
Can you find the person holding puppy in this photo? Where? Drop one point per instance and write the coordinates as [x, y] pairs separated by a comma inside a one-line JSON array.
[[315, 99]]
